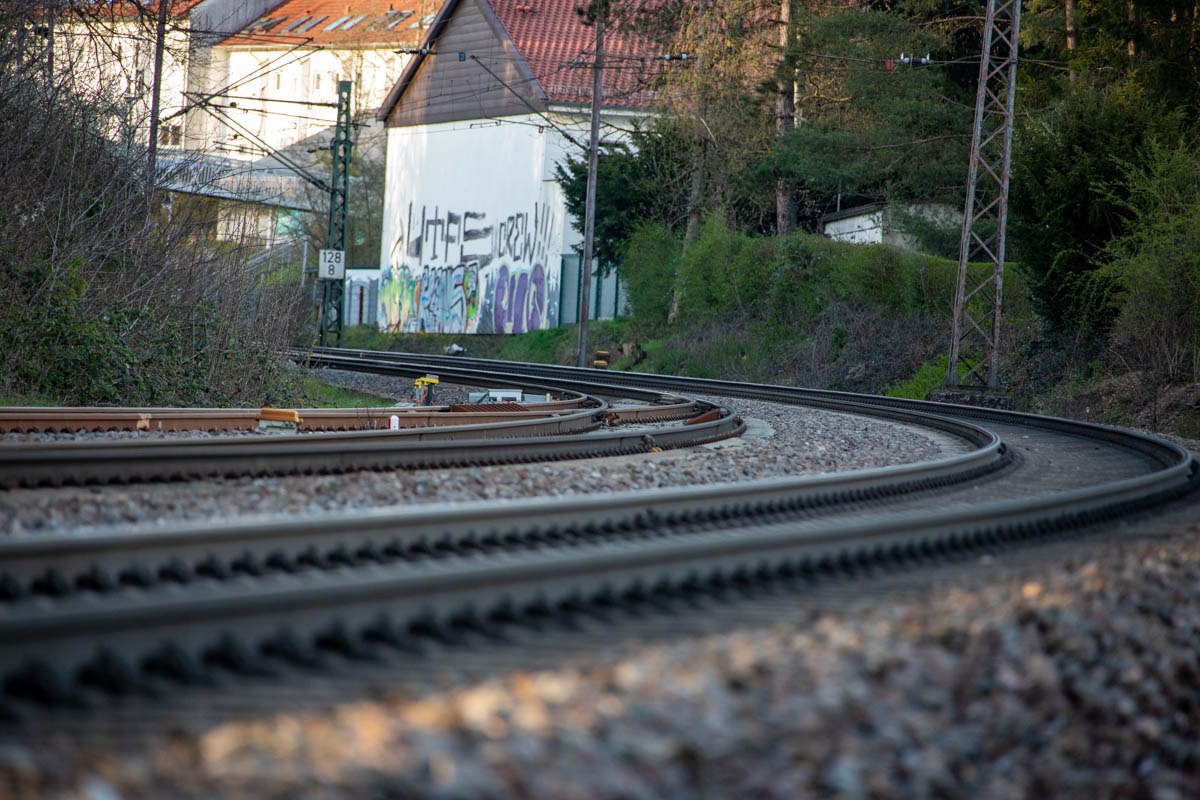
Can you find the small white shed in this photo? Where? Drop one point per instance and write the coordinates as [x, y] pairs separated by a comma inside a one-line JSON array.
[[880, 223]]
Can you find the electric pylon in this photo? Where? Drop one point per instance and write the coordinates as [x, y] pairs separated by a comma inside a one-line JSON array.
[[977, 298], [331, 326]]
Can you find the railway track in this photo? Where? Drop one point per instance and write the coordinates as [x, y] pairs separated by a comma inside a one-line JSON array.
[[171, 605], [37, 419], [420, 439]]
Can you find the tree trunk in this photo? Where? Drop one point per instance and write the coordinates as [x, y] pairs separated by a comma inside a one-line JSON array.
[[785, 116], [1072, 35], [695, 206], [696, 195], [1131, 14]]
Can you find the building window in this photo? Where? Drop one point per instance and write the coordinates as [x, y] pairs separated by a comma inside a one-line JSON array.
[[170, 135]]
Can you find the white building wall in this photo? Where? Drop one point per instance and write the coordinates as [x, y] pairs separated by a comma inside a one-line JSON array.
[[885, 225], [474, 228], [111, 63], [298, 77], [861, 229], [212, 21]]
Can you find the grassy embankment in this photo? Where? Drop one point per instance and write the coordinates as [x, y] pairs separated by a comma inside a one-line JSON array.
[[812, 312], [802, 310]]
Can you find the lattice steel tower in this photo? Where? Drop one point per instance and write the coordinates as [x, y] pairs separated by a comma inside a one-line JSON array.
[[978, 293], [331, 324]]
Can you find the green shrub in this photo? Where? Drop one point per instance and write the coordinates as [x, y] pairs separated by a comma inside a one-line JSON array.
[[104, 297], [1154, 269], [648, 273], [702, 297], [928, 378]]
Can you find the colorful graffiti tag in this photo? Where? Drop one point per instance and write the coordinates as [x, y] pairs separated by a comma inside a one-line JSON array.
[[451, 272]]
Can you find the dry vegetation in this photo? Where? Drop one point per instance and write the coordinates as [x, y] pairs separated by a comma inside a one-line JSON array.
[[111, 291]]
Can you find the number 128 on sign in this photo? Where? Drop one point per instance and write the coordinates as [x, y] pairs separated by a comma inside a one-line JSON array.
[[332, 265]]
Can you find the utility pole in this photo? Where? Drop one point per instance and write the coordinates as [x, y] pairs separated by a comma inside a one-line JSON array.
[[974, 342], [160, 36], [598, 13], [333, 258]]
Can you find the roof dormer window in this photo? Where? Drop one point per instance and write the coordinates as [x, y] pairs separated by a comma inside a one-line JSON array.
[[265, 24], [400, 16]]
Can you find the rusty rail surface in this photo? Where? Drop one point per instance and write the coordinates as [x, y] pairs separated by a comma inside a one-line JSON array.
[[21, 419], [422, 440]]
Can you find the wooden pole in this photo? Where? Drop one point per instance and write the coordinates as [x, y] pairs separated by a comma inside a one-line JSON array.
[[589, 214]]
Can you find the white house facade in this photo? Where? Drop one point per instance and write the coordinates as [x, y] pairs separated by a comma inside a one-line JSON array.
[[283, 67], [475, 226], [107, 51], [471, 248], [879, 223], [276, 106]]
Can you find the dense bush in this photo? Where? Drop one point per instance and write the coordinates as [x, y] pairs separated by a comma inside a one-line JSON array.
[[781, 282], [820, 312], [1068, 193], [648, 273], [801, 308], [1154, 268], [104, 296]]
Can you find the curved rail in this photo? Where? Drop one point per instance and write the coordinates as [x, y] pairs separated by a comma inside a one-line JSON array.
[[472, 439], [542, 439], [1167, 453], [377, 579], [58, 565]]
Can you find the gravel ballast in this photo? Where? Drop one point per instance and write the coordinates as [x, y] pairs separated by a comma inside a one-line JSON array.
[[1064, 670], [1065, 675], [784, 440]]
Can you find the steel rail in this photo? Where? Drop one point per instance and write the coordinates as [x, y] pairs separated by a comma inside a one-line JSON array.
[[475, 372], [110, 639], [23, 419], [58, 564], [124, 635], [544, 438], [58, 463], [1166, 453], [66, 419], [667, 412]]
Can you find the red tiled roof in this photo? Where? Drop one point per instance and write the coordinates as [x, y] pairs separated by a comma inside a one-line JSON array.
[[556, 47], [338, 23], [124, 8], [559, 49]]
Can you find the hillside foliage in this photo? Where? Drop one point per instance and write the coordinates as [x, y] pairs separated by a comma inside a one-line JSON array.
[[109, 295], [1101, 233]]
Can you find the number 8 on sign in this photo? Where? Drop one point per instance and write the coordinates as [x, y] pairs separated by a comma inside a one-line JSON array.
[[332, 265]]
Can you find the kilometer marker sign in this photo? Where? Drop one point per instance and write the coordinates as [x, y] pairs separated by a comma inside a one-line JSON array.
[[332, 265]]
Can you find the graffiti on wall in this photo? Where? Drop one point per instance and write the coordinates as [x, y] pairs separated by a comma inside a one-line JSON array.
[[465, 272]]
